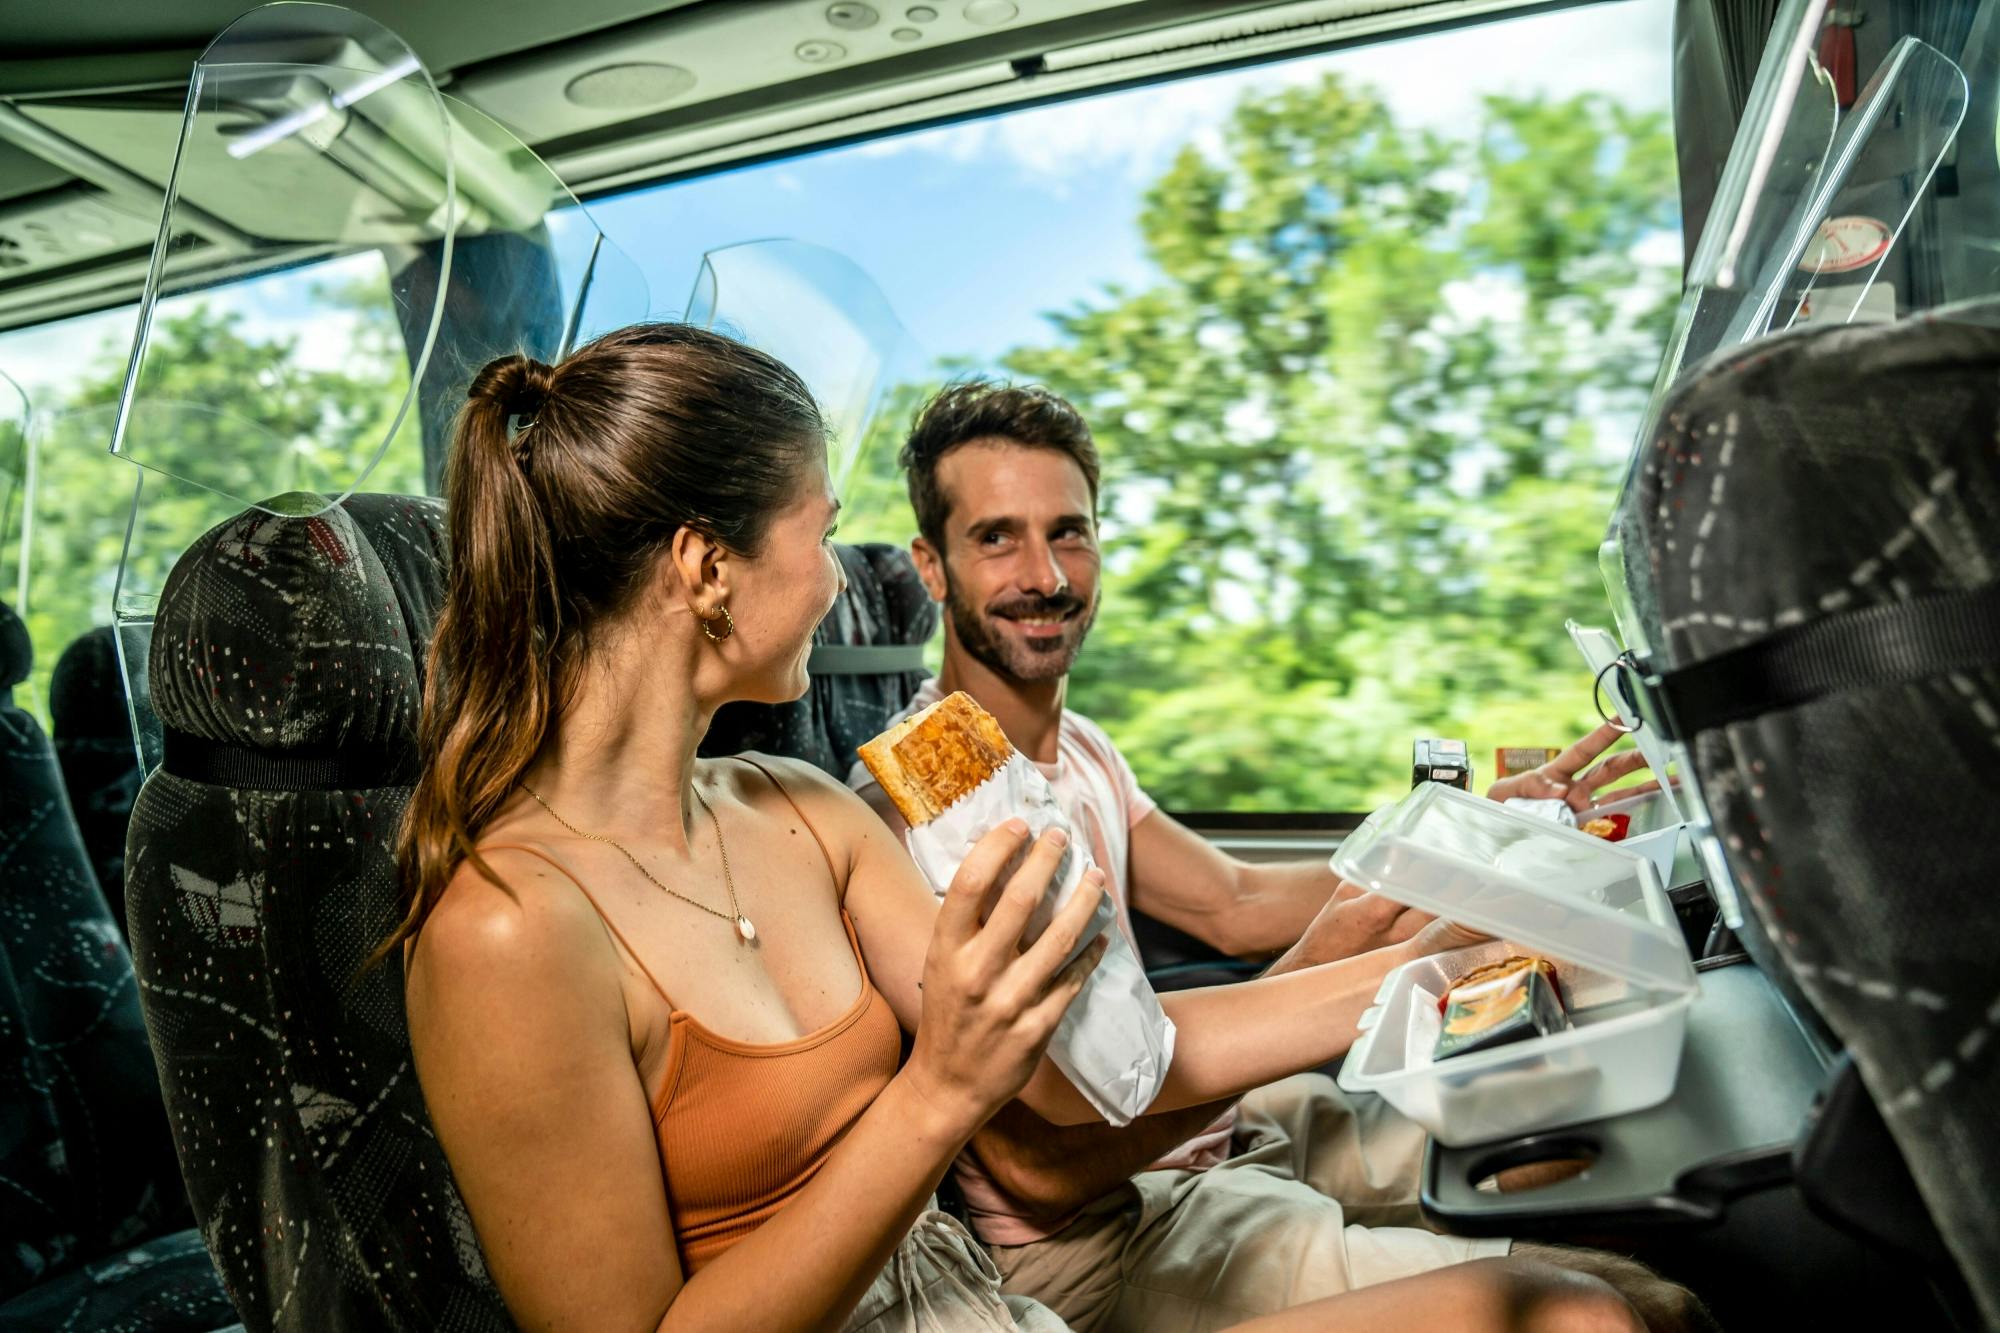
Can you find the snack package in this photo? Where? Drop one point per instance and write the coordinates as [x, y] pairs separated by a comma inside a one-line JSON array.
[[1513, 760], [952, 774], [1508, 1001]]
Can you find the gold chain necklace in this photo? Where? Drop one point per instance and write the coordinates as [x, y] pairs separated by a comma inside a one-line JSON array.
[[744, 930]]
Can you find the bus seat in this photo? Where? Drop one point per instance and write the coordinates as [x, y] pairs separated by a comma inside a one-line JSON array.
[[93, 1229], [100, 767], [866, 665], [285, 671], [1820, 516]]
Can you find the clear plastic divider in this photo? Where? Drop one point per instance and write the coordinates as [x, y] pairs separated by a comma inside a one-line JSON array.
[[822, 315], [382, 242], [1887, 210], [16, 522]]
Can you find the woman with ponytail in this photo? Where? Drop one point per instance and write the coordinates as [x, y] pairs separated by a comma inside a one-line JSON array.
[[657, 1003]]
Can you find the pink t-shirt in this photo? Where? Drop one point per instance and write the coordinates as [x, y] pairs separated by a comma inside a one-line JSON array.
[[1104, 802]]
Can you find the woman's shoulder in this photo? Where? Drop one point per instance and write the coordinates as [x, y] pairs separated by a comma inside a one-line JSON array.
[[836, 814], [517, 916], [798, 779]]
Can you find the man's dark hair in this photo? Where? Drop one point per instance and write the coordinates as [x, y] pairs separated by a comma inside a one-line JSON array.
[[978, 409]]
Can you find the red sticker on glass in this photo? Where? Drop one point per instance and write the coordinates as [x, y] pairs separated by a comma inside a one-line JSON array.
[[1844, 244]]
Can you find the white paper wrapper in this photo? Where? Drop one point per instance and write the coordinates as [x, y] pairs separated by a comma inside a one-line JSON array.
[[1420, 1039], [1115, 1042], [1552, 808]]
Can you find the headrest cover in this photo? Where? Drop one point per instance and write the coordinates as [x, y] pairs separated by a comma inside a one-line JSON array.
[[87, 690], [17, 651], [302, 634]]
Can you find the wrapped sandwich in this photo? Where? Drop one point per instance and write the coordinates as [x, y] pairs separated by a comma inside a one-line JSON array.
[[952, 775], [1508, 1001]]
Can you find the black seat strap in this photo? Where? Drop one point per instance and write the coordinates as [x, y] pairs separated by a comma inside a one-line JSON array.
[[1851, 650], [224, 764]]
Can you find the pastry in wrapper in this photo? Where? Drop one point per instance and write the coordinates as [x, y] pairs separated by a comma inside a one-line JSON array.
[[933, 760], [1508, 1001], [951, 774]]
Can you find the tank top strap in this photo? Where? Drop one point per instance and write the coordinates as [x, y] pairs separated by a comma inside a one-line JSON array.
[[590, 898], [840, 885]]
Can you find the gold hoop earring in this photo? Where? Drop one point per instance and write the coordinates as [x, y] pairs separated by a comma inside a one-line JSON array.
[[728, 621]]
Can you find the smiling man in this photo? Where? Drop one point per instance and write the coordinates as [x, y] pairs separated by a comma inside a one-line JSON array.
[[1189, 1219]]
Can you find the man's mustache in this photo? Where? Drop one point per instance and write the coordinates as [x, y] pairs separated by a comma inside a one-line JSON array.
[[1037, 608]]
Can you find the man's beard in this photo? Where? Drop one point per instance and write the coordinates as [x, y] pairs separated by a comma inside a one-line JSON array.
[[1006, 657]]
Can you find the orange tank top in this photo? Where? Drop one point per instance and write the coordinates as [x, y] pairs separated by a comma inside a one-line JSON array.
[[741, 1127]]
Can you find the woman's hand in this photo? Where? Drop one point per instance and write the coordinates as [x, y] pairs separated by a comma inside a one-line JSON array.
[[990, 1005], [1563, 778]]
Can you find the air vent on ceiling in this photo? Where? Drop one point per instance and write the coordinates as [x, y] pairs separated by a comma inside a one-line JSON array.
[[72, 225]]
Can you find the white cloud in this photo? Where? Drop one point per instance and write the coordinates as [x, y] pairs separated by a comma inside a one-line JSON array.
[[1622, 49]]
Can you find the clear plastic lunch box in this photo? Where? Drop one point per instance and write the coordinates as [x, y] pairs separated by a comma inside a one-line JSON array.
[[1598, 912]]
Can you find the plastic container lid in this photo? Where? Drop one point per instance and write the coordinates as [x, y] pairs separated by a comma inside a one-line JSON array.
[[1542, 885]]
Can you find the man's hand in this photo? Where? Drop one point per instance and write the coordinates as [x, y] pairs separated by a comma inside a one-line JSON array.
[[1563, 777], [1353, 922]]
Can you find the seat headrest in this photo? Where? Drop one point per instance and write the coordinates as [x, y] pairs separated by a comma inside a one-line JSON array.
[[17, 651], [302, 634], [87, 689]]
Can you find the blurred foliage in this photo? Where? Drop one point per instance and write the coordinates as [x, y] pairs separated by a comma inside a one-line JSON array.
[[244, 415], [1360, 439]]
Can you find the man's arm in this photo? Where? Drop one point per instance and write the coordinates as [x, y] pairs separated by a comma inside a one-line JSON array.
[[1057, 1169], [1254, 909]]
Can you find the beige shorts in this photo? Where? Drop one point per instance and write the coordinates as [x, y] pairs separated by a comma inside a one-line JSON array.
[[1273, 1227], [940, 1281]]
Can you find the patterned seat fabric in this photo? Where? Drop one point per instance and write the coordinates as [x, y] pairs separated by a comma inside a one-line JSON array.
[[92, 1215], [316, 1179], [100, 767], [1834, 469], [885, 603]]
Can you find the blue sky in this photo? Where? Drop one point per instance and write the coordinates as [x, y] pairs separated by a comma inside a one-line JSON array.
[[973, 231]]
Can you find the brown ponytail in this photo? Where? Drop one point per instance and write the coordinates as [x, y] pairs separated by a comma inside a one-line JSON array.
[[563, 485]]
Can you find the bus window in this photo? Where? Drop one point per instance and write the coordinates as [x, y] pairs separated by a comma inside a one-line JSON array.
[[310, 346], [1363, 336]]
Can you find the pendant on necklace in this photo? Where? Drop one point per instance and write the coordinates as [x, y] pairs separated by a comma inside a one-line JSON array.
[[746, 930]]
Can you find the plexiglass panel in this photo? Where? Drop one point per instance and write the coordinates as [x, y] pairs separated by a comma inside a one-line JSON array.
[[14, 466], [819, 313], [383, 242], [1897, 215]]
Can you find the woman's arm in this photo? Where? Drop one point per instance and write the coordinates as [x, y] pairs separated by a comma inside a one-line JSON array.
[[524, 1050]]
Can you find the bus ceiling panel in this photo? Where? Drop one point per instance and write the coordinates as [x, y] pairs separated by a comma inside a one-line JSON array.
[[761, 96], [68, 227], [22, 173], [53, 48], [709, 54]]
